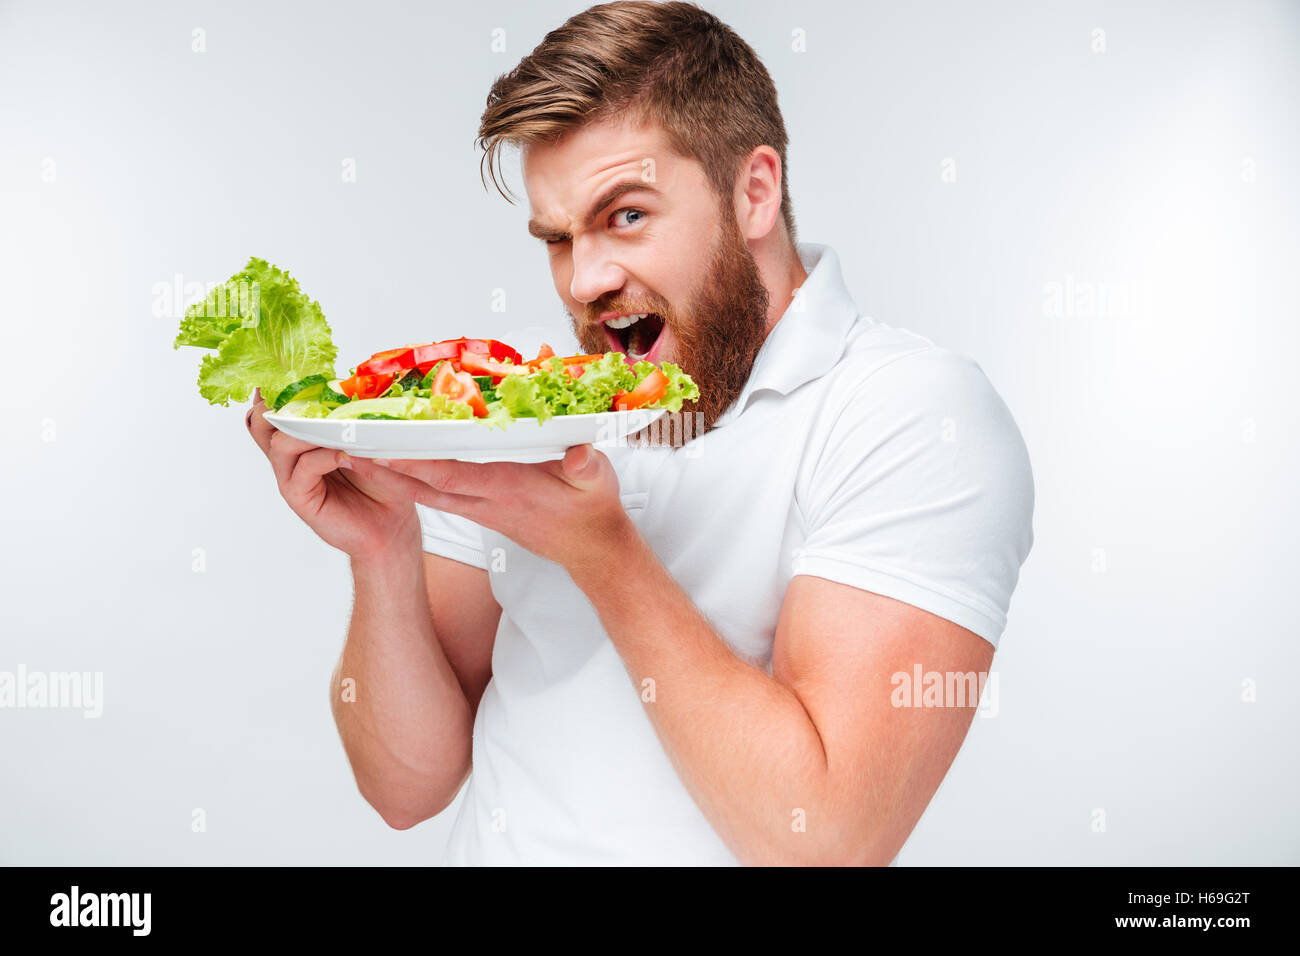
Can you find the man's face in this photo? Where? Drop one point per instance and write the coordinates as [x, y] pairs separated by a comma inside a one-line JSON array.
[[634, 228]]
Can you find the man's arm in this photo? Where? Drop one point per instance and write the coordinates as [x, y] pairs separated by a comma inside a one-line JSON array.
[[812, 765], [818, 741], [419, 651], [419, 648]]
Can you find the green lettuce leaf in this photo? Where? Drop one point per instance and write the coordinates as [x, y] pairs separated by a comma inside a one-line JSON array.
[[434, 408], [267, 334], [438, 407], [498, 416], [680, 387], [552, 391]]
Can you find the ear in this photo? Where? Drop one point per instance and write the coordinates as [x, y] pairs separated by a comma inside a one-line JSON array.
[[758, 193]]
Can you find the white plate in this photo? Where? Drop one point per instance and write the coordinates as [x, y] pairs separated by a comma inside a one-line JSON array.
[[522, 440]]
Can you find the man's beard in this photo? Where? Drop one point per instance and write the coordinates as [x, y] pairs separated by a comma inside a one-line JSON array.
[[719, 335]]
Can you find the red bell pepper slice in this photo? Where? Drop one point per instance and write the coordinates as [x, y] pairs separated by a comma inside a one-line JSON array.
[[479, 363], [427, 356], [392, 362], [545, 362], [497, 350]]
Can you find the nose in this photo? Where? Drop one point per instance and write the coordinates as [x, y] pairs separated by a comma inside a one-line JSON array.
[[595, 274]]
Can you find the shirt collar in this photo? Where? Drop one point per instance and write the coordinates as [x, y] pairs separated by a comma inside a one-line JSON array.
[[810, 336]]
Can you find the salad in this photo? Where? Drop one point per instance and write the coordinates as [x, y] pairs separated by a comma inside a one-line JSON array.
[[266, 334], [486, 380]]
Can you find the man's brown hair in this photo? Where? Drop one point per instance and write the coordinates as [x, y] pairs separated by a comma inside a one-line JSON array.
[[671, 64]]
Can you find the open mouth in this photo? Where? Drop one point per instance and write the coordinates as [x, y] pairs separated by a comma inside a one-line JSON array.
[[635, 335]]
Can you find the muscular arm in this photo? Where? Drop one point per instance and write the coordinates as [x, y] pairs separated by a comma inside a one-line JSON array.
[[813, 764], [419, 651]]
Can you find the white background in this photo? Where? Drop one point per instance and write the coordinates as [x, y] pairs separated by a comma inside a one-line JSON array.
[[1162, 429]]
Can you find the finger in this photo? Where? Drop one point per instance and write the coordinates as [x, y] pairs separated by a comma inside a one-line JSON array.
[[584, 468], [416, 489], [308, 469], [284, 452], [580, 467], [377, 482], [472, 478], [258, 426], [284, 442], [283, 449]]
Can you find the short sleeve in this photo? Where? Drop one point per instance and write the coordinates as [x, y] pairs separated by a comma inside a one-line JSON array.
[[922, 491], [452, 536]]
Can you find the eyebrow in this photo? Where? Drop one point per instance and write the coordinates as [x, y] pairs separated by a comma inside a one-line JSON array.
[[542, 231]]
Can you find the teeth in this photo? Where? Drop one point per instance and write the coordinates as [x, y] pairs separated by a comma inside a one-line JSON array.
[[625, 321]]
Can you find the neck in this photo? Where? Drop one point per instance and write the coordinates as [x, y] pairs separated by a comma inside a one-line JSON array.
[[782, 274]]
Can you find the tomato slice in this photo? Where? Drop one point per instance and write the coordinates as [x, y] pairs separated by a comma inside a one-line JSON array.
[[394, 362], [652, 388], [366, 386], [460, 387]]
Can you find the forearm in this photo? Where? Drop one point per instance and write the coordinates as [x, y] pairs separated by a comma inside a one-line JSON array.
[[742, 742], [404, 720]]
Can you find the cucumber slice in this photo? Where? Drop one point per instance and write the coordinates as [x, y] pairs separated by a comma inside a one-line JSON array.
[[300, 389], [333, 394], [484, 382]]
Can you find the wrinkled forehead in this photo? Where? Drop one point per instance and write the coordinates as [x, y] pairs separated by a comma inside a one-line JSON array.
[[571, 170]]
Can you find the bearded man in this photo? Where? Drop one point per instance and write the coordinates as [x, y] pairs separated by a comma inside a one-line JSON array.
[[680, 652]]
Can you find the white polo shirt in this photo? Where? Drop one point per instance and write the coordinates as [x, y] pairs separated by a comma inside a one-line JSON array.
[[857, 452]]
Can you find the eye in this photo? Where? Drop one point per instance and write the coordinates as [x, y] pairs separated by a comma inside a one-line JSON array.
[[638, 213]]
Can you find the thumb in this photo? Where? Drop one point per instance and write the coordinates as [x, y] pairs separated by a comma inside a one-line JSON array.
[[580, 464]]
